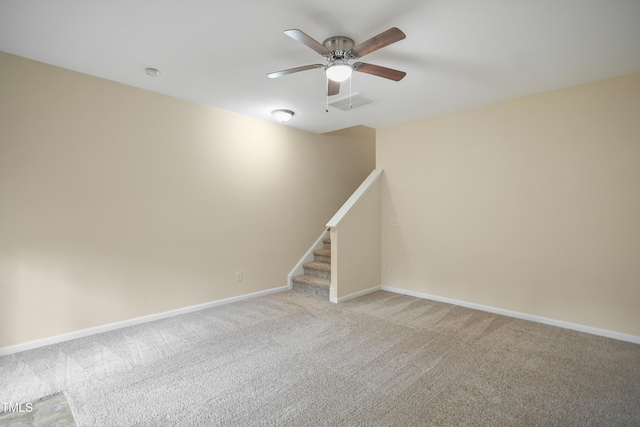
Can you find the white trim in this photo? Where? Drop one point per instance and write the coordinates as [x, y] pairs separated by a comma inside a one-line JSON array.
[[547, 321], [30, 345], [298, 269], [355, 295], [342, 213]]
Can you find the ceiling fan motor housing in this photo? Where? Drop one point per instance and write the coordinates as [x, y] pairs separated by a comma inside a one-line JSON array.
[[339, 46]]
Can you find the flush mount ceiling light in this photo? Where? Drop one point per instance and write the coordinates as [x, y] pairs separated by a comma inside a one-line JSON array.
[[152, 72], [339, 71], [282, 115]]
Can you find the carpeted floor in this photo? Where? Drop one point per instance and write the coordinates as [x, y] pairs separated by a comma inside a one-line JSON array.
[[296, 359]]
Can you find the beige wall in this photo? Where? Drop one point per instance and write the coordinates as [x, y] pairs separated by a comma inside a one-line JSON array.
[[116, 202], [530, 205]]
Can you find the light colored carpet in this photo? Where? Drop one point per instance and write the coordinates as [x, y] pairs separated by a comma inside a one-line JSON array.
[[296, 359]]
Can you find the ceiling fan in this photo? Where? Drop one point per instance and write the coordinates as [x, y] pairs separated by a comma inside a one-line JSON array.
[[338, 51]]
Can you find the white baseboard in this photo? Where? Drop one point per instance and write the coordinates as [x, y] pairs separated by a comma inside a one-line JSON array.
[[131, 322], [547, 321], [139, 320], [354, 295]]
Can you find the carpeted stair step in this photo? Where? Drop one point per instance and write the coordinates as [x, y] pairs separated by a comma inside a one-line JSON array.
[[322, 255], [317, 269], [327, 242], [312, 285], [317, 274]]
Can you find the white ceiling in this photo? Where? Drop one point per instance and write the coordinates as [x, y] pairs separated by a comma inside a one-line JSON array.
[[458, 54]]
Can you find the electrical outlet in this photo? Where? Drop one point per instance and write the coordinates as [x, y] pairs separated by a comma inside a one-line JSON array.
[[238, 276], [391, 269], [394, 222]]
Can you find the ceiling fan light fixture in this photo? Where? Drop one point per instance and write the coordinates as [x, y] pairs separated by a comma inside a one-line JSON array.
[[282, 115], [339, 71]]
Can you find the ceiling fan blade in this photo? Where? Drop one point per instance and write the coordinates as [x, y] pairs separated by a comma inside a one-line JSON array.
[[333, 88], [376, 70], [386, 38], [308, 41], [293, 70]]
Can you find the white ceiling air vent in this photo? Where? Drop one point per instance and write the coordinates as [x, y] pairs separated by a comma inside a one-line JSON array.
[[356, 100]]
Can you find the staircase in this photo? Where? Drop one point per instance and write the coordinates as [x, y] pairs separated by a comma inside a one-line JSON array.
[[317, 274]]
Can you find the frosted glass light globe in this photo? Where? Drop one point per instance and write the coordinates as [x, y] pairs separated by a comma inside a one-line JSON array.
[[339, 72]]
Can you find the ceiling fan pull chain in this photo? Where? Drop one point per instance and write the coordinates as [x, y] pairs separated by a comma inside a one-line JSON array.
[[326, 105], [350, 78]]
